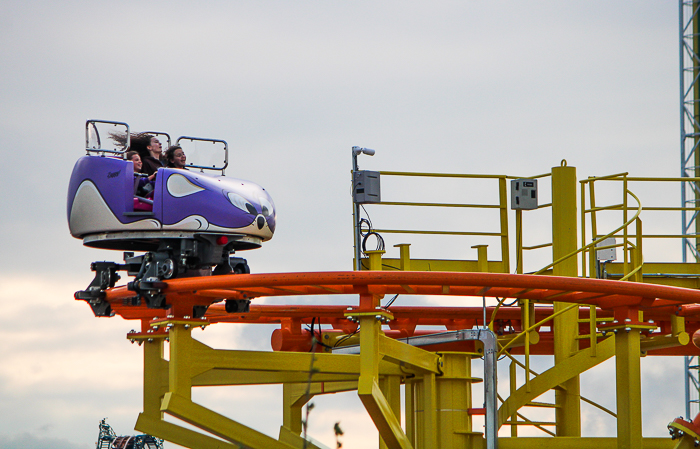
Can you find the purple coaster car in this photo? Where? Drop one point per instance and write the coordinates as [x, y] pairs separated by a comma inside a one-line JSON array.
[[101, 207]]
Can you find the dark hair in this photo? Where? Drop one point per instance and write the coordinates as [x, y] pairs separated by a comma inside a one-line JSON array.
[[169, 153], [139, 142], [130, 155]]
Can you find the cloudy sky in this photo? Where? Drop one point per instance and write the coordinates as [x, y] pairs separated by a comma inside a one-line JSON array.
[[452, 86]]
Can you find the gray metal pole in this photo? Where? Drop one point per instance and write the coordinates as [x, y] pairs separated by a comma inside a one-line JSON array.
[[487, 337], [355, 215]]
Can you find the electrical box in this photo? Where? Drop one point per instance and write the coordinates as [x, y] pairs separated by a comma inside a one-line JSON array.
[[523, 194], [606, 254], [365, 187]]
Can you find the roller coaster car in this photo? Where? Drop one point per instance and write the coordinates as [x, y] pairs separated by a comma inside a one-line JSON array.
[[191, 223]]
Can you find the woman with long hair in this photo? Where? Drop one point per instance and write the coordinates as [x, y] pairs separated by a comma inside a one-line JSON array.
[[148, 148]]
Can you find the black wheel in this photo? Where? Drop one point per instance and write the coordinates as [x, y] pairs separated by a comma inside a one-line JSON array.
[[241, 268]]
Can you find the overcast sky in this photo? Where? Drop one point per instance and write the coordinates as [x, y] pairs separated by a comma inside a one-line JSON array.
[[452, 86]]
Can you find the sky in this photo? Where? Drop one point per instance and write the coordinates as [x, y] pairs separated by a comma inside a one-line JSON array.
[[449, 86]]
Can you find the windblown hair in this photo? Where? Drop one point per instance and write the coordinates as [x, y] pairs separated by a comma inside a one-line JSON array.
[[139, 142]]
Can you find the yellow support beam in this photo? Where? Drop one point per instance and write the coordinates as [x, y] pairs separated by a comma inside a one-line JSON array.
[[180, 435], [183, 408], [453, 401], [390, 387], [376, 404], [414, 358], [405, 256], [564, 235], [629, 389]]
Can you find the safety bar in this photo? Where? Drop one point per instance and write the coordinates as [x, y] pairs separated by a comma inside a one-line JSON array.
[[97, 135], [214, 141]]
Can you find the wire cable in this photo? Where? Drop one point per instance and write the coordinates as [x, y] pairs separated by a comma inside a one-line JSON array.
[[391, 301]]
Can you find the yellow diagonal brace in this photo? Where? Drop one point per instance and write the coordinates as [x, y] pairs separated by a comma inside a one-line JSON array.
[[556, 375], [216, 424], [294, 439], [416, 358], [179, 435], [380, 411]]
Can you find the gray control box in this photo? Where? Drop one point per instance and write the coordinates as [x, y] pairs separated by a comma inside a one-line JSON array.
[[523, 194], [606, 254], [365, 187]]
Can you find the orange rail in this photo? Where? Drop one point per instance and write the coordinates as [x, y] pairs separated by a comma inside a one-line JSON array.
[[615, 300]]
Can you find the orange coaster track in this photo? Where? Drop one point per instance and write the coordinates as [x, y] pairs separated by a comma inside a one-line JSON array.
[[619, 301], [617, 319]]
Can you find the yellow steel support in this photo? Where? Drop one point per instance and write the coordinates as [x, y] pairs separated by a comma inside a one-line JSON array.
[[513, 388], [375, 259], [155, 377], [410, 410], [503, 202], [391, 389], [293, 399], [453, 401], [405, 256], [482, 261], [429, 411], [181, 352], [167, 385], [376, 404], [380, 407], [408, 356], [638, 259], [494, 266], [564, 236], [625, 232], [519, 241], [216, 424], [629, 388], [594, 230], [180, 435]]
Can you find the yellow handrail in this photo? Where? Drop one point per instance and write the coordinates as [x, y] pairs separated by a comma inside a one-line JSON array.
[[584, 399], [531, 328], [598, 240]]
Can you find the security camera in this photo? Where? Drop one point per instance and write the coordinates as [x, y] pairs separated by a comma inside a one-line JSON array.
[[367, 151]]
